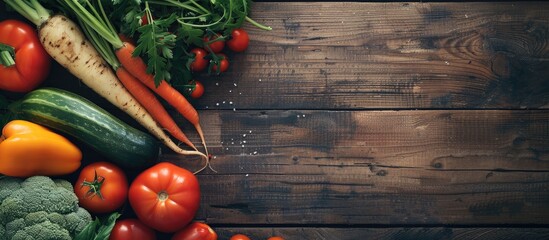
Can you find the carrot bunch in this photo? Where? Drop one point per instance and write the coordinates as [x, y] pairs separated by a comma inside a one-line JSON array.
[[132, 72]]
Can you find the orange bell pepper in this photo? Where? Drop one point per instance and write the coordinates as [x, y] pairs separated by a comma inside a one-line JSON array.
[[28, 149]]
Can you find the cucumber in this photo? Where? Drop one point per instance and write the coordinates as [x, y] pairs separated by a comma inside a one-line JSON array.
[[76, 116]]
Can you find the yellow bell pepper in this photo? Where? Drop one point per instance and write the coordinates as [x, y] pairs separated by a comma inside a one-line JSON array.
[[28, 149]]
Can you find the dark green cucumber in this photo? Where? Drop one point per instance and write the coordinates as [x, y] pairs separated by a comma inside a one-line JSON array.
[[76, 116]]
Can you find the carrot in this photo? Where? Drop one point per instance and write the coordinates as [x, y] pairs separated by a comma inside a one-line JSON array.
[[153, 106], [138, 68], [65, 42]]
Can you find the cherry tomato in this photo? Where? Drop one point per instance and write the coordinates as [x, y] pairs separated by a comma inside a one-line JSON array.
[[144, 19], [239, 237], [215, 42], [196, 231], [239, 40], [200, 63], [198, 90], [275, 238], [223, 63], [101, 187], [131, 228], [165, 197], [28, 65]]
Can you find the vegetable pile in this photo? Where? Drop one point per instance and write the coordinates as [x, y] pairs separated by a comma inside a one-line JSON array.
[[138, 55]]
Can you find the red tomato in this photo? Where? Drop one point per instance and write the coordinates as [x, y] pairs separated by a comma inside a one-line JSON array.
[[131, 228], [144, 20], [239, 40], [101, 187], [198, 90], [215, 42], [275, 238], [30, 64], [239, 237], [223, 63], [165, 197], [196, 231], [200, 63]]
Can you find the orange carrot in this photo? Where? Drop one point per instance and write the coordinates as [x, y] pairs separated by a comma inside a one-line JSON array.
[[138, 68], [146, 98]]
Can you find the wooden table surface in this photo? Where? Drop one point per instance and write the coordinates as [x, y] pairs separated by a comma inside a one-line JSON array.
[[378, 120]]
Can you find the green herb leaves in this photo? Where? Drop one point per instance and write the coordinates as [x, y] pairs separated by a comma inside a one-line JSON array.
[[166, 29], [99, 229], [155, 44]]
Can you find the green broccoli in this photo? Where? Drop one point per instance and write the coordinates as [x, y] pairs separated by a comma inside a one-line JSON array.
[[40, 208]]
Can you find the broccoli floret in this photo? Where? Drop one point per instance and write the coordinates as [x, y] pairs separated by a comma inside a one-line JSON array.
[[8, 185], [40, 208], [42, 231], [77, 221], [2, 231]]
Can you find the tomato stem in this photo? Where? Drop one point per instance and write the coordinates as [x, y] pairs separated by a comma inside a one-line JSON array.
[[162, 196], [95, 186], [7, 55], [259, 25]]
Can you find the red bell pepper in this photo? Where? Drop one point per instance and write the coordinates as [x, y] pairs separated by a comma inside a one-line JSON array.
[[24, 64]]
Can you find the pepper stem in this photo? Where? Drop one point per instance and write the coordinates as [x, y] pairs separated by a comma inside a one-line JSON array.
[[7, 55]]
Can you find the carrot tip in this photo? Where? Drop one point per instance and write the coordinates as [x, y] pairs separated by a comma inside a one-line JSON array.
[[201, 134]]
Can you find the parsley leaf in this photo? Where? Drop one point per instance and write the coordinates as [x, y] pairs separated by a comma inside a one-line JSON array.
[[156, 44]]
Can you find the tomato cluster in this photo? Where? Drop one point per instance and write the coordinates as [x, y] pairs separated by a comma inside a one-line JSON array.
[[210, 56], [164, 197]]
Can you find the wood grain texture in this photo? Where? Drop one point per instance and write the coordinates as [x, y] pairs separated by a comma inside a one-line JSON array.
[[363, 55], [375, 55], [316, 134], [376, 167], [351, 233]]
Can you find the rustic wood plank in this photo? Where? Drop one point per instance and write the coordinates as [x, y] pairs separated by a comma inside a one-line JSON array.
[[375, 167], [284, 159], [352, 233], [363, 55], [390, 55]]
